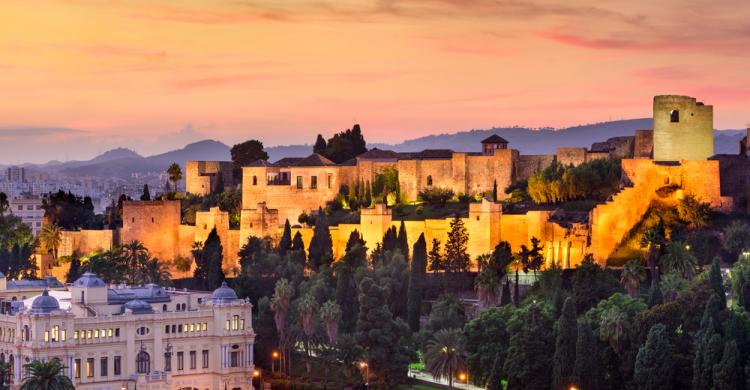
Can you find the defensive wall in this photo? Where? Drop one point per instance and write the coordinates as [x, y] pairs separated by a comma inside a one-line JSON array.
[[202, 177], [83, 242], [683, 129]]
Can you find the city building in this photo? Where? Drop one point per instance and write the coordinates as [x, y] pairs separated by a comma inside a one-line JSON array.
[[144, 337], [16, 174], [30, 210]]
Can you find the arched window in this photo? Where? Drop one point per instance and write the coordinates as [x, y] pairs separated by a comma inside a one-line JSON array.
[[164, 307], [143, 362], [26, 333], [429, 180], [255, 180], [674, 116]]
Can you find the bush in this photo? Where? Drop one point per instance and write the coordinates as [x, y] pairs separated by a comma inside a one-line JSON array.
[[436, 197]]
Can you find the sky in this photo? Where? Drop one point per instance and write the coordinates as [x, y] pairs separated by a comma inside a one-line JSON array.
[[81, 76]]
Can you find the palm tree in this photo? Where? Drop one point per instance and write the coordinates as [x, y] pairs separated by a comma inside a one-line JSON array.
[[488, 285], [671, 284], [49, 375], [307, 306], [183, 264], [612, 328], [445, 355], [632, 276], [157, 273], [4, 375], [280, 302], [679, 259], [136, 258], [330, 313], [51, 238], [654, 240], [175, 175]]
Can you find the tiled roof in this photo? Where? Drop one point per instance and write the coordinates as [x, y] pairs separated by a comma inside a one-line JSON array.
[[377, 154], [433, 154], [314, 160], [495, 139], [287, 162], [260, 163]]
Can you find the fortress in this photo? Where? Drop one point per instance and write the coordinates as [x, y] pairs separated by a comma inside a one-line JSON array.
[[678, 152]]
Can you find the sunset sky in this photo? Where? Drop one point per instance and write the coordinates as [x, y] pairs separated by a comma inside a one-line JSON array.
[[79, 77]]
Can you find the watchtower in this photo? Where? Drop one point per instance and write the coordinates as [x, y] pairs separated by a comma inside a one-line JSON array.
[[683, 129], [493, 142]]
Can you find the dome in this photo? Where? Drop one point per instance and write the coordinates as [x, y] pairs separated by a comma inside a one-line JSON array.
[[137, 307], [223, 294], [89, 280], [44, 304]]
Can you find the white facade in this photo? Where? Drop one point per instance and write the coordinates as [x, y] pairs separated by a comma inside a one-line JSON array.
[[30, 211]]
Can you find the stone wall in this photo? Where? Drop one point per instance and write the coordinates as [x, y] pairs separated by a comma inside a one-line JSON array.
[[201, 177], [571, 156], [85, 242], [155, 223], [643, 146], [527, 165], [683, 129]]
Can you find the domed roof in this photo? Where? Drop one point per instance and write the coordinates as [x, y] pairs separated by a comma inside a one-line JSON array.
[[223, 294], [89, 280], [138, 307], [44, 304]]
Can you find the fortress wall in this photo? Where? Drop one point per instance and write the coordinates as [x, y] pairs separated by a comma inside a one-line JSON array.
[[735, 176], [458, 173], [643, 145], [691, 137], [409, 178], [155, 223], [571, 156], [482, 171], [527, 165], [201, 176], [205, 221], [187, 239], [259, 222], [591, 156], [84, 242]]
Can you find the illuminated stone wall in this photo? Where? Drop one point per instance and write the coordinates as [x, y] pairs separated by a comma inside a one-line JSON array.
[[683, 129], [643, 147], [85, 242], [201, 177], [155, 223]]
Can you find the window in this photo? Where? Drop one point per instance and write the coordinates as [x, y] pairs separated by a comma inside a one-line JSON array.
[[674, 116], [180, 361], [193, 360], [205, 326], [63, 335], [143, 362], [116, 366], [234, 359], [46, 336], [77, 368], [226, 326], [235, 322], [330, 180], [174, 328], [204, 354], [255, 180], [166, 329], [103, 366], [90, 368], [179, 328], [109, 332], [242, 324], [429, 180], [117, 332], [299, 182], [164, 307], [313, 182], [168, 362], [75, 335]]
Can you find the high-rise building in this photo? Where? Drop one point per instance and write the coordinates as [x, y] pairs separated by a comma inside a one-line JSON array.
[[16, 174]]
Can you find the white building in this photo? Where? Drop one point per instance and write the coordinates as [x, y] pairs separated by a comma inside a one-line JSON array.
[[30, 210], [144, 337]]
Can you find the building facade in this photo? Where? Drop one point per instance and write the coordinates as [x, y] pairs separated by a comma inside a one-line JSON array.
[[30, 210], [143, 337]]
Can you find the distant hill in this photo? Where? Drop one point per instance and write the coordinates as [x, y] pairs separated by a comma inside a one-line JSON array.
[[123, 162]]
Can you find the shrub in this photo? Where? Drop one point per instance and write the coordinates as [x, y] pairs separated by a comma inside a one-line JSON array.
[[436, 196]]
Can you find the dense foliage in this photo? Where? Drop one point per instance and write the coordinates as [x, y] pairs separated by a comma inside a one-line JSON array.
[[342, 146], [557, 183]]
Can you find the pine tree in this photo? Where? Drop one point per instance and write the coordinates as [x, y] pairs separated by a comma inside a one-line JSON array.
[[434, 258], [146, 195], [403, 241], [655, 296], [320, 145], [563, 360], [717, 284], [416, 282], [728, 373], [587, 367], [655, 364], [286, 239], [456, 255], [75, 270], [320, 251]]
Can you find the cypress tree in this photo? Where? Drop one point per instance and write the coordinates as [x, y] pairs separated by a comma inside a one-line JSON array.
[[368, 195], [214, 254], [286, 239], [655, 364], [297, 243], [320, 251], [456, 254], [403, 241], [712, 313], [390, 240], [75, 270], [516, 291], [496, 377], [320, 145], [416, 282], [655, 296], [563, 360], [728, 373], [434, 259], [505, 297], [346, 286], [587, 368], [494, 190], [716, 282], [146, 195]]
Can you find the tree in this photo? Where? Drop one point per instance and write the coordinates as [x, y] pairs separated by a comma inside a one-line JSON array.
[[346, 285], [345, 145], [708, 354], [694, 212], [75, 269], [321, 244], [587, 368], [403, 241], [320, 145], [495, 381], [529, 363], [654, 239], [157, 273], [632, 275], [245, 153], [434, 258], [330, 314], [494, 190], [175, 175], [49, 375], [146, 195], [736, 239], [670, 285], [445, 355], [51, 238], [215, 256], [563, 360], [728, 373], [285, 243], [678, 258], [297, 243], [416, 283], [306, 308], [135, 255], [456, 253], [655, 296], [383, 337], [716, 281], [280, 304], [654, 364], [183, 264], [487, 284], [4, 376], [4, 205], [486, 340], [436, 197]]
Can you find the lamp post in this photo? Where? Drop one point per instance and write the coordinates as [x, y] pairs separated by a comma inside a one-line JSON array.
[[259, 374], [365, 367], [464, 377], [274, 356]]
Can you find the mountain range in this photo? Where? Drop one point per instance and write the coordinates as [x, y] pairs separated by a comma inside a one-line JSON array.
[[123, 162]]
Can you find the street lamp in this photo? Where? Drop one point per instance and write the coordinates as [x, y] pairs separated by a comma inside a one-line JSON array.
[[258, 374], [274, 356], [464, 377], [365, 367]]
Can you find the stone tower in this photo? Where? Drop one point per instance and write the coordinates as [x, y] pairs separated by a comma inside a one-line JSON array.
[[683, 129]]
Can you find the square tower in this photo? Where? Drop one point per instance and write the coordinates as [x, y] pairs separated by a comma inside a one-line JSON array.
[[683, 129]]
